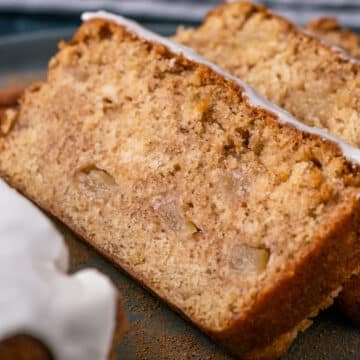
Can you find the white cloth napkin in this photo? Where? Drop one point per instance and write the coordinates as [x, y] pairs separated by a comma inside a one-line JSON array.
[[300, 11]]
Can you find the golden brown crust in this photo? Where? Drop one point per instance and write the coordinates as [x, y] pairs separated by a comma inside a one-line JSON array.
[[232, 340], [280, 309], [328, 28], [250, 9], [95, 26], [331, 30], [291, 299], [293, 287], [283, 63]]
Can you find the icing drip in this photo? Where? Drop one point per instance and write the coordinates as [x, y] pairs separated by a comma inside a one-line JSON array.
[[350, 152], [73, 315]]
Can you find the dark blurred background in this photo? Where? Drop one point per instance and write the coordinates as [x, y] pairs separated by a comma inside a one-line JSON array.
[[19, 16]]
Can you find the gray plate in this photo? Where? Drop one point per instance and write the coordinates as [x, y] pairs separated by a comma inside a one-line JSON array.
[[156, 332]]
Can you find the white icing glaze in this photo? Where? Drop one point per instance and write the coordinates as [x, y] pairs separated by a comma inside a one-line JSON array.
[[350, 152], [73, 315]]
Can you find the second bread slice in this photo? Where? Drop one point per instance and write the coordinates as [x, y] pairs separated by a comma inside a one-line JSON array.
[[312, 80], [220, 203]]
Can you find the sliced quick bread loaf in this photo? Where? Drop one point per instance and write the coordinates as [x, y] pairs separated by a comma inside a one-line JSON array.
[[331, 30], [313, 80], [217, 201]]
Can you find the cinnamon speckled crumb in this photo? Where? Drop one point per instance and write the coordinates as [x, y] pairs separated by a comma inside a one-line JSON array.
[[149, 160], [331, 30], [291, 68]]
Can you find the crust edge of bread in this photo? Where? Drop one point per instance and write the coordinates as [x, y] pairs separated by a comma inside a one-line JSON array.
[[348, 301], [349, 304], [253, 8], [229, 338]]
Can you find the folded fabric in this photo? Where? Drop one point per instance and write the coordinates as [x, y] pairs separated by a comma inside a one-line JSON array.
[[299, 11]]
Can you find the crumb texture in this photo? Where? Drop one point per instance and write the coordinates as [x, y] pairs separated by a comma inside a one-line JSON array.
[[331, 30], [164, 166], [285, 65]]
